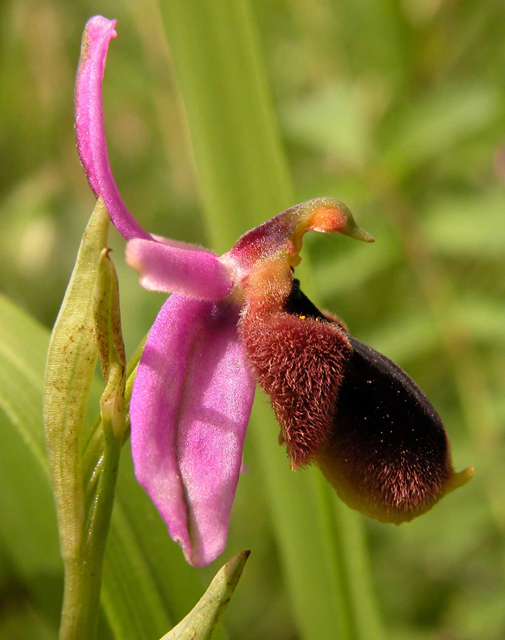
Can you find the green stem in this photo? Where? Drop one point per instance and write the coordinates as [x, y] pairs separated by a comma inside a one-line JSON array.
[[80, 601], [83, 572]]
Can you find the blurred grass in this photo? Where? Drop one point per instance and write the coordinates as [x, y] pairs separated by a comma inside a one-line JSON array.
[[396, 108]]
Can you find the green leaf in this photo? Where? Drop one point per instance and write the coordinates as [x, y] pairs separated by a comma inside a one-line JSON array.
[[109, 338], [202, 621], [107, 316], [71, 363], [28, 533], [221, 74]]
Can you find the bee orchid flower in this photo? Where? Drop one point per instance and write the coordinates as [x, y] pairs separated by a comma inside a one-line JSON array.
[[241, 318]]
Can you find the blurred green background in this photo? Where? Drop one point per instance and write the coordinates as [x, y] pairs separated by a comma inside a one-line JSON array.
[[398, 109]]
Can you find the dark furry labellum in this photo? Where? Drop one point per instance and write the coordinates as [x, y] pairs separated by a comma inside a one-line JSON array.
[[299, 362], [362, 419]]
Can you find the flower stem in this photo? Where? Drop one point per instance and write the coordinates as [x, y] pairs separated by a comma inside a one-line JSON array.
[[77, 620], [83, 571]]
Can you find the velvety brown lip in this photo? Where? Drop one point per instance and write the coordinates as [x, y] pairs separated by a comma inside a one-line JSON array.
[[383, 448], [388, 442], [299, 361]]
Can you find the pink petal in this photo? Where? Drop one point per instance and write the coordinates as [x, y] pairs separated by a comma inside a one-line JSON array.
[[89, 125], [180, 245], [169, 268], [190, 406]]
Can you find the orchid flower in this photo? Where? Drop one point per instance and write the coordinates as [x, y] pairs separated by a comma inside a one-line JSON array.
[[241, 318]]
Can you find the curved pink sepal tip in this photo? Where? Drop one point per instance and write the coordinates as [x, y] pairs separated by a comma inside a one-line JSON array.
[[89, 124], [190, 407]]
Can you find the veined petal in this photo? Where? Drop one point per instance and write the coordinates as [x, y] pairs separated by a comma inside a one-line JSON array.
[[89, 125], [190, 406], [169, 268]]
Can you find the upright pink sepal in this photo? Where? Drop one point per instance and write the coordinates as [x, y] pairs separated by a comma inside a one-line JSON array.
[[163, 267], [89, 125], [190, 406]]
